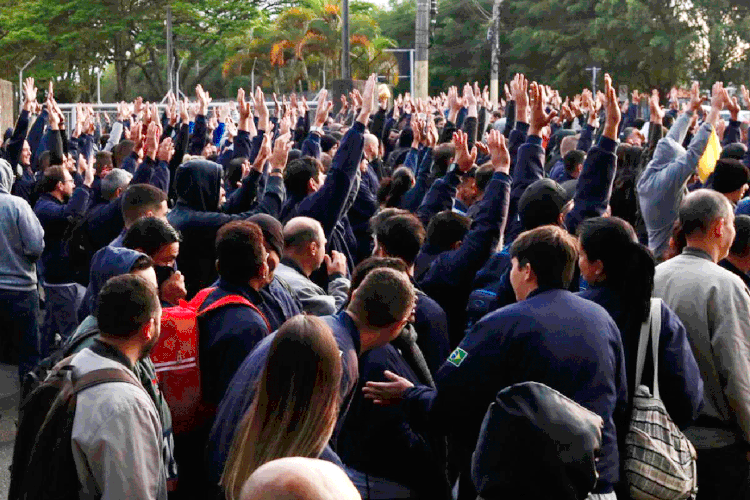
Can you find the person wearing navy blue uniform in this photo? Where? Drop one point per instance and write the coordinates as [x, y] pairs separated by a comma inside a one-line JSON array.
[[549, 336], [400, 234], [368, 322]]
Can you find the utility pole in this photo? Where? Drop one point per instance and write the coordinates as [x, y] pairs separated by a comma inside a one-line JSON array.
[[170, 53], [594, 71], [495, 67], [346, 68], [421, 44]]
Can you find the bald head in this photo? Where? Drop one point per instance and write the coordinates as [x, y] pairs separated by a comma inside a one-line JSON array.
[[300, 232], [371, 146], [568, 144], [701, 208], [298, 478]]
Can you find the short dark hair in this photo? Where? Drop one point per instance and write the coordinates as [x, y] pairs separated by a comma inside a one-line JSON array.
[[700, 209], [233, 173], [239, 251], [442, 156], [371, 263], [383, 298], [551, 252], [446, 228], [139, 199], [125, 303], [483, 176], [401, 235], [52, 175], [122, 151], [741, 244], [735, 150], [150, 234], [573, 159], [101, 160], [298, 174]]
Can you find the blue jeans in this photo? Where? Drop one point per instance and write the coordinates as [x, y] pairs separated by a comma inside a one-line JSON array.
[[19, 315]]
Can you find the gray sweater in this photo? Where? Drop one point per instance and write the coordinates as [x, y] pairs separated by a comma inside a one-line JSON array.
[[714, 306], [662, 185], [313, 298], [21, 237]]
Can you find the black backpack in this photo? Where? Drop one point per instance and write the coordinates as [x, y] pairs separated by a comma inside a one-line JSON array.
[[43, 467]]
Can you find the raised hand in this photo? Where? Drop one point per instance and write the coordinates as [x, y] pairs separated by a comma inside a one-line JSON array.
[[324, 107], [657, 114], [264, 122], [733, 106], [612, 109], [464, 158], [470, 99], [499, 152], [520, 89], [280, 153], [165, 151], [368, 99], [203, 100], [745, 95], [29, 94], [539, 117], [696, 100]]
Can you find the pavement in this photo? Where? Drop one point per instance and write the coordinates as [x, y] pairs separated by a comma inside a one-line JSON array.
[[9, 394]]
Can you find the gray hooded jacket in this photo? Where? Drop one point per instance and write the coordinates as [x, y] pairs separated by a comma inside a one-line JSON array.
[[662, 185], [21, 237]]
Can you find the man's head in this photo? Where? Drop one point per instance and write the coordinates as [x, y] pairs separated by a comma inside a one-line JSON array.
[[442, 156], [707, 221], [156, 238], [542, 258], [128, 311], [103, 163], [739, 252], [632, 136], [329, 145], [273, 238], [544, 202], [305, 243], [298, 478], [241, 257], [446, 230], [573, 162], [730, 179], [143, 200], [735, 151], [482, 177], [122, 151], [303, 176], [114, 183], [467, 191], [568, 144], [371, 146], [382, 305], [399, 235], [58, 182], [236, 169]]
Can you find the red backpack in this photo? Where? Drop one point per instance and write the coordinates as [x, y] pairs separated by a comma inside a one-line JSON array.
[[175, 357]]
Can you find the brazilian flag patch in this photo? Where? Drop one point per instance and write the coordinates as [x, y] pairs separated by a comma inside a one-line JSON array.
[[457, 357]]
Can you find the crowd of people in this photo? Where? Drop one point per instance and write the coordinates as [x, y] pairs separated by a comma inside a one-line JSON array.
[[368, 283]]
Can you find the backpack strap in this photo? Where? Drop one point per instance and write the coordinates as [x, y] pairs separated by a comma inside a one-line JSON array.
[[103, 376], [200, 298], [233, 300]]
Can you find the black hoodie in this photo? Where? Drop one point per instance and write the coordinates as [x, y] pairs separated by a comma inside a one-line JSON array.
[[198, 217]]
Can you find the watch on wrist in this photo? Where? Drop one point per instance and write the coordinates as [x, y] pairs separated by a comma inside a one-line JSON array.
[[277, 171]]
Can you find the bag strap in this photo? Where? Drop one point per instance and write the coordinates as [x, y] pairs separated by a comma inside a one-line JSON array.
[[655, 334], [103, 376], [651, 325], [200, 298], [234, 300]]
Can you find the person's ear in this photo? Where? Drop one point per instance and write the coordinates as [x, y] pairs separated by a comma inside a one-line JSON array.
[[118, 192], [456, 245], [311, 185], [149, 213], [312, 248], [147, 330], [717, 227], [528, 273]]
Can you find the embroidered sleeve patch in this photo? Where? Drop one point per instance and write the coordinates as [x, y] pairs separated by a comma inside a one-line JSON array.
[[457, 357]]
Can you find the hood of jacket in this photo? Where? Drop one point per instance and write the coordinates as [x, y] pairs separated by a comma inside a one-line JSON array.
[[108, 263], [532, 431], [198, 184], [6, 176]]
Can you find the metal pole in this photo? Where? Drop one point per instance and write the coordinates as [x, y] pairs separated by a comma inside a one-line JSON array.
[[324, 73], [170, 54], [98, 86], [252, 76], [20, 81], [421, 44], [411, 69], [594, 70], [346, 69], [495, 68]]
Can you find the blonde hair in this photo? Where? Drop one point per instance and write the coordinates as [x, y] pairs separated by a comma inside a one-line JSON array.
[[296, 404]]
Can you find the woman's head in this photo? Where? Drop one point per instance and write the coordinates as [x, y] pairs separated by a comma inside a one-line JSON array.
[[296, 402], [610, 255], [392, 189]]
